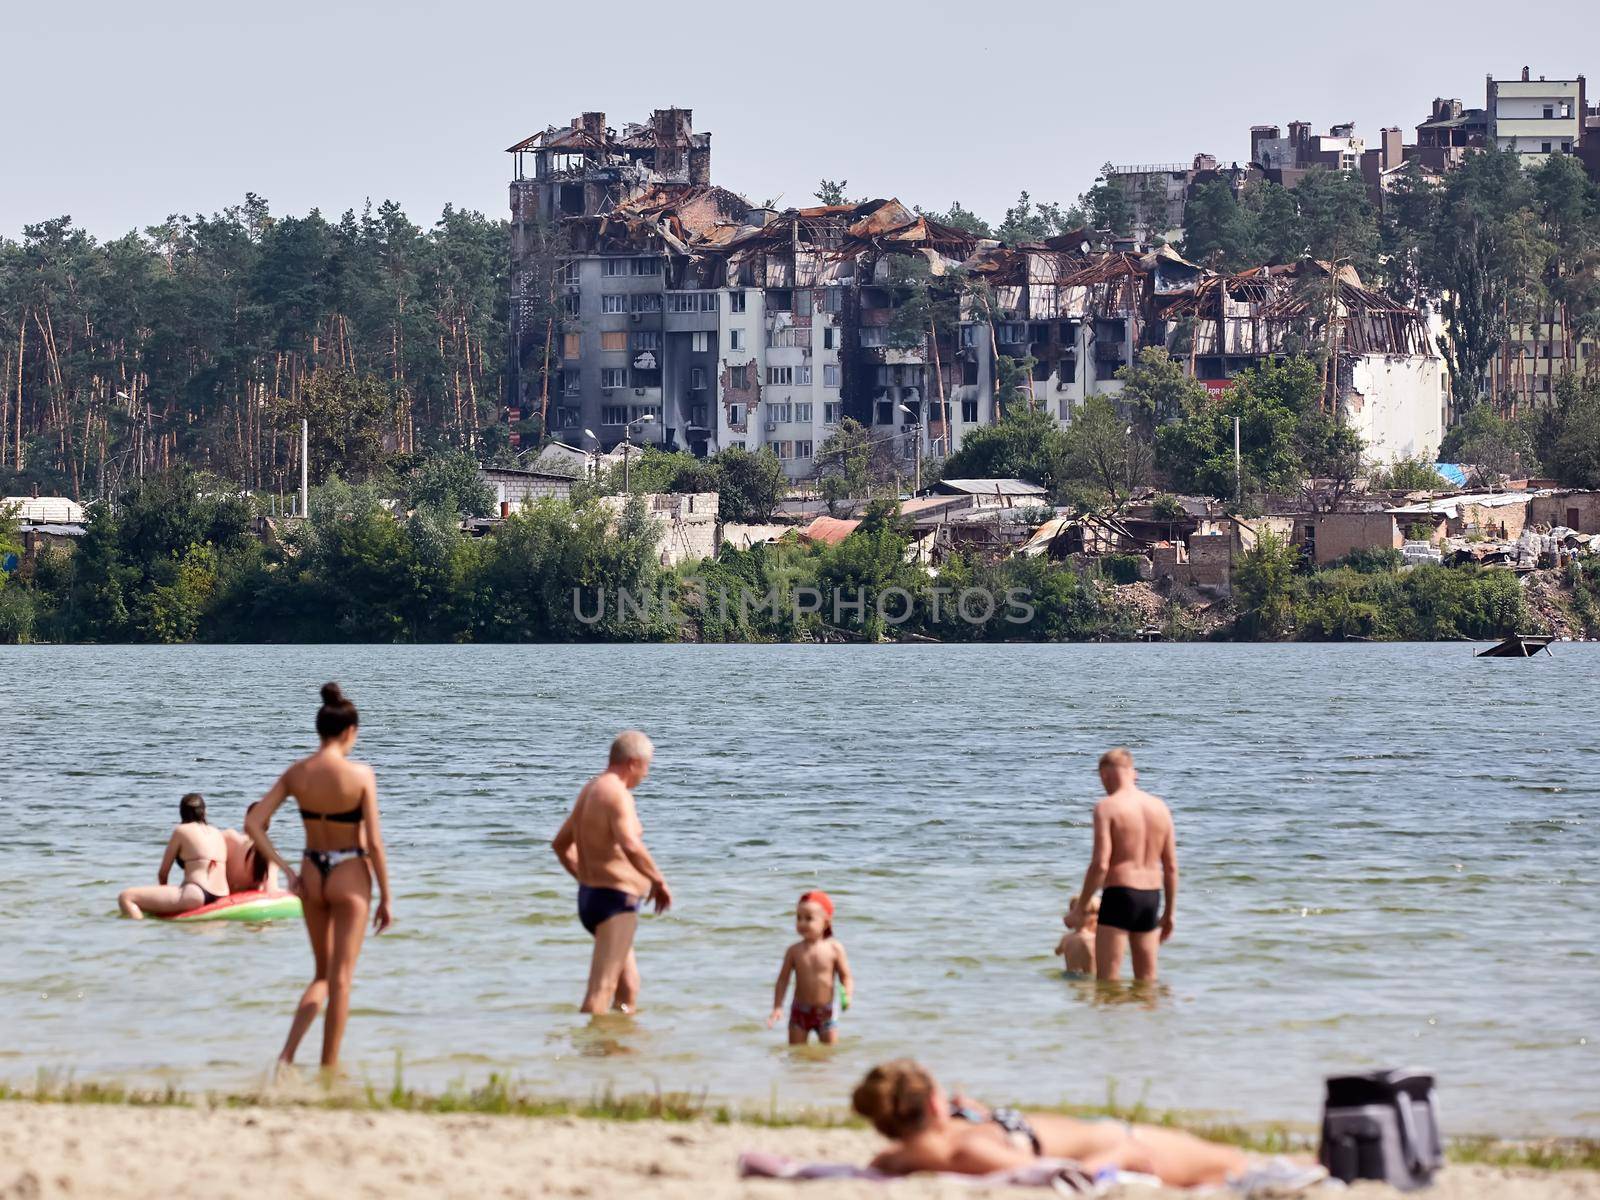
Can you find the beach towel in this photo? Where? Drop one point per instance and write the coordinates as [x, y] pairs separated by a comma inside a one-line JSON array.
[[1273, 1179], [1067, 1178]]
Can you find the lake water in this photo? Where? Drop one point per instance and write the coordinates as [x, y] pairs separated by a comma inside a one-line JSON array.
[[1389, 857]]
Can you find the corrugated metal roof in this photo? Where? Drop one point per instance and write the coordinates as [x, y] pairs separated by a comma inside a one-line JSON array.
[[1451, 505], [992, 487], [829, 529], [37, 509]]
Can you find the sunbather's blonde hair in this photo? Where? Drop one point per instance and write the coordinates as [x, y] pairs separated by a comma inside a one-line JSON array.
[[894, 1097]]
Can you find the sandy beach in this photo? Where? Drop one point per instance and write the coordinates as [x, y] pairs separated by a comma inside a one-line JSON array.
[[110, 1151]]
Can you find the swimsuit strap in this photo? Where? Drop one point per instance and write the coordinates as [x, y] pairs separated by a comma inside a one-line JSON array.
[[350, 815]]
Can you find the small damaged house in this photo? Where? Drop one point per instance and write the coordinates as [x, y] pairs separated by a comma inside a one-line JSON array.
[[684, 316]]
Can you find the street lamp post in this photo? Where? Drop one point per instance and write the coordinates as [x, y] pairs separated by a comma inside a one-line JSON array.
[[916, 424], [627, 445], [594, 458]]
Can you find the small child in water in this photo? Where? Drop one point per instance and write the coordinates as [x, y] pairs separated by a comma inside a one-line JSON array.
[[815, 961], [1077, 944]]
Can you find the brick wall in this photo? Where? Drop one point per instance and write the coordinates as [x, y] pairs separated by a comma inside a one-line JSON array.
[[1556, 510]]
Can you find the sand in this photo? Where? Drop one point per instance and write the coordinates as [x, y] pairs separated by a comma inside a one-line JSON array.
[[112, 1151]]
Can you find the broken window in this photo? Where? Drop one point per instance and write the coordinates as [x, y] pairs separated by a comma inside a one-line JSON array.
[[802, 300], [1039, 335], [614, 266], [780, 375], [832, 299], [612, 339], [647, 302], [969, 373], [735, 414], [736, 302], [969, 411], [647, 339], [567, 418], [735, 339], [779, 299], [697, 379], [739, 377], [802, 376], [646, 377], [613, 414], [1068, 368], [874, 335], [1011, 333], [569, 304], [647, 266], [1041, 370], [571, 381], [697, 415], [641, 411], [613, 377], [885, 413], [830, 338], [969, 335]]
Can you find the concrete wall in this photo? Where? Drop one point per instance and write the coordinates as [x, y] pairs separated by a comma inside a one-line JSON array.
[[520, 489], [1556, 510], [686, 523], [1396, 403]]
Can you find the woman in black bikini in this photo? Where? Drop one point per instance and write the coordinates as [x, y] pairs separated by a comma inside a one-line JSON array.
[[199, 851], [931, 1133], [338, 801]]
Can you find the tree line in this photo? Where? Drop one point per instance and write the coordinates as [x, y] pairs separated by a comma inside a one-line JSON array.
[[205, 340]]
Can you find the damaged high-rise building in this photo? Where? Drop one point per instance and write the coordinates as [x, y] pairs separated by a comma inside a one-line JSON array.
[[649, 303]]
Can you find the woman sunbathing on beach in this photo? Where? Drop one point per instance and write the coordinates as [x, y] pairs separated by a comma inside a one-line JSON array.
[[933, 1132], [338, 801], [202, 854]]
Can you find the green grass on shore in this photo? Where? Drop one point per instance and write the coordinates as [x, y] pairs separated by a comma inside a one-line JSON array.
[[500, 1096]]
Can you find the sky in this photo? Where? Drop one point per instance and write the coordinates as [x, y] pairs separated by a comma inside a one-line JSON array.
[[120, 114]]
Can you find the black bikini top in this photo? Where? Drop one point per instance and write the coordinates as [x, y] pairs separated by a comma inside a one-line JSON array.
[[349, 816]]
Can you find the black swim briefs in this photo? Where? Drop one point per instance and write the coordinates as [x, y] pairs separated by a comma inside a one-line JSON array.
[[597, 905], [1137, 910]]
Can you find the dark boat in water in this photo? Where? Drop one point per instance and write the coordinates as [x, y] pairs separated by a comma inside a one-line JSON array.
[[1518, 645]]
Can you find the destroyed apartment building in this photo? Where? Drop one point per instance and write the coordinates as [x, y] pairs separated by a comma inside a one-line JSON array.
[[650, 305]]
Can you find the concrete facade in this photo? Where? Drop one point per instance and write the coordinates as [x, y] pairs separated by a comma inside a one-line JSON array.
[[1536, 117]]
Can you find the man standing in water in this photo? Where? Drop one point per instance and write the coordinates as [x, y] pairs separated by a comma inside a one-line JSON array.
[[1135, 858], [601, 845]]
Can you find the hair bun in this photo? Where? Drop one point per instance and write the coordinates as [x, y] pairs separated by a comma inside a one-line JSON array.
[[331, 694]]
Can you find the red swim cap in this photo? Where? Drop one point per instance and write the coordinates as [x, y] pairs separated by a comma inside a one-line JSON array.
[[821, 898]]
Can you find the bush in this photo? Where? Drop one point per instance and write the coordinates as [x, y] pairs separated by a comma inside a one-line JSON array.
[[1374, 560], [1121, 568]]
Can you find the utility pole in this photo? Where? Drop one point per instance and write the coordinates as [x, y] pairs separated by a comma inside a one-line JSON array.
[[1238, 468], [916, 432], [305, 477]]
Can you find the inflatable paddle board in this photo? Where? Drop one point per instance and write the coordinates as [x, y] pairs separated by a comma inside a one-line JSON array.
[[243, 906]]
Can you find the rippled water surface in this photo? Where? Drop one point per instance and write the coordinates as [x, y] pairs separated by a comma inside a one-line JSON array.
[[1388, 855]]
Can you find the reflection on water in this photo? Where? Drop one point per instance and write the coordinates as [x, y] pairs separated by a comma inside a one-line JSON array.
[[1389, 857]]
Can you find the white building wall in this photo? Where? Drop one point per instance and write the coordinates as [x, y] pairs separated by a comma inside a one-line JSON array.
[[1396, 403]]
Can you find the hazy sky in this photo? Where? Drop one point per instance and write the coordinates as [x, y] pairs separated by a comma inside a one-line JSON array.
[[120, 113]]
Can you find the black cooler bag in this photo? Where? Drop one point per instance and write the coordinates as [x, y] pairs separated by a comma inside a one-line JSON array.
[[1382, 1126]]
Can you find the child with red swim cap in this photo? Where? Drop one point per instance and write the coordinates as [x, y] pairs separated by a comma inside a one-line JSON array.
[[815, 961]]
